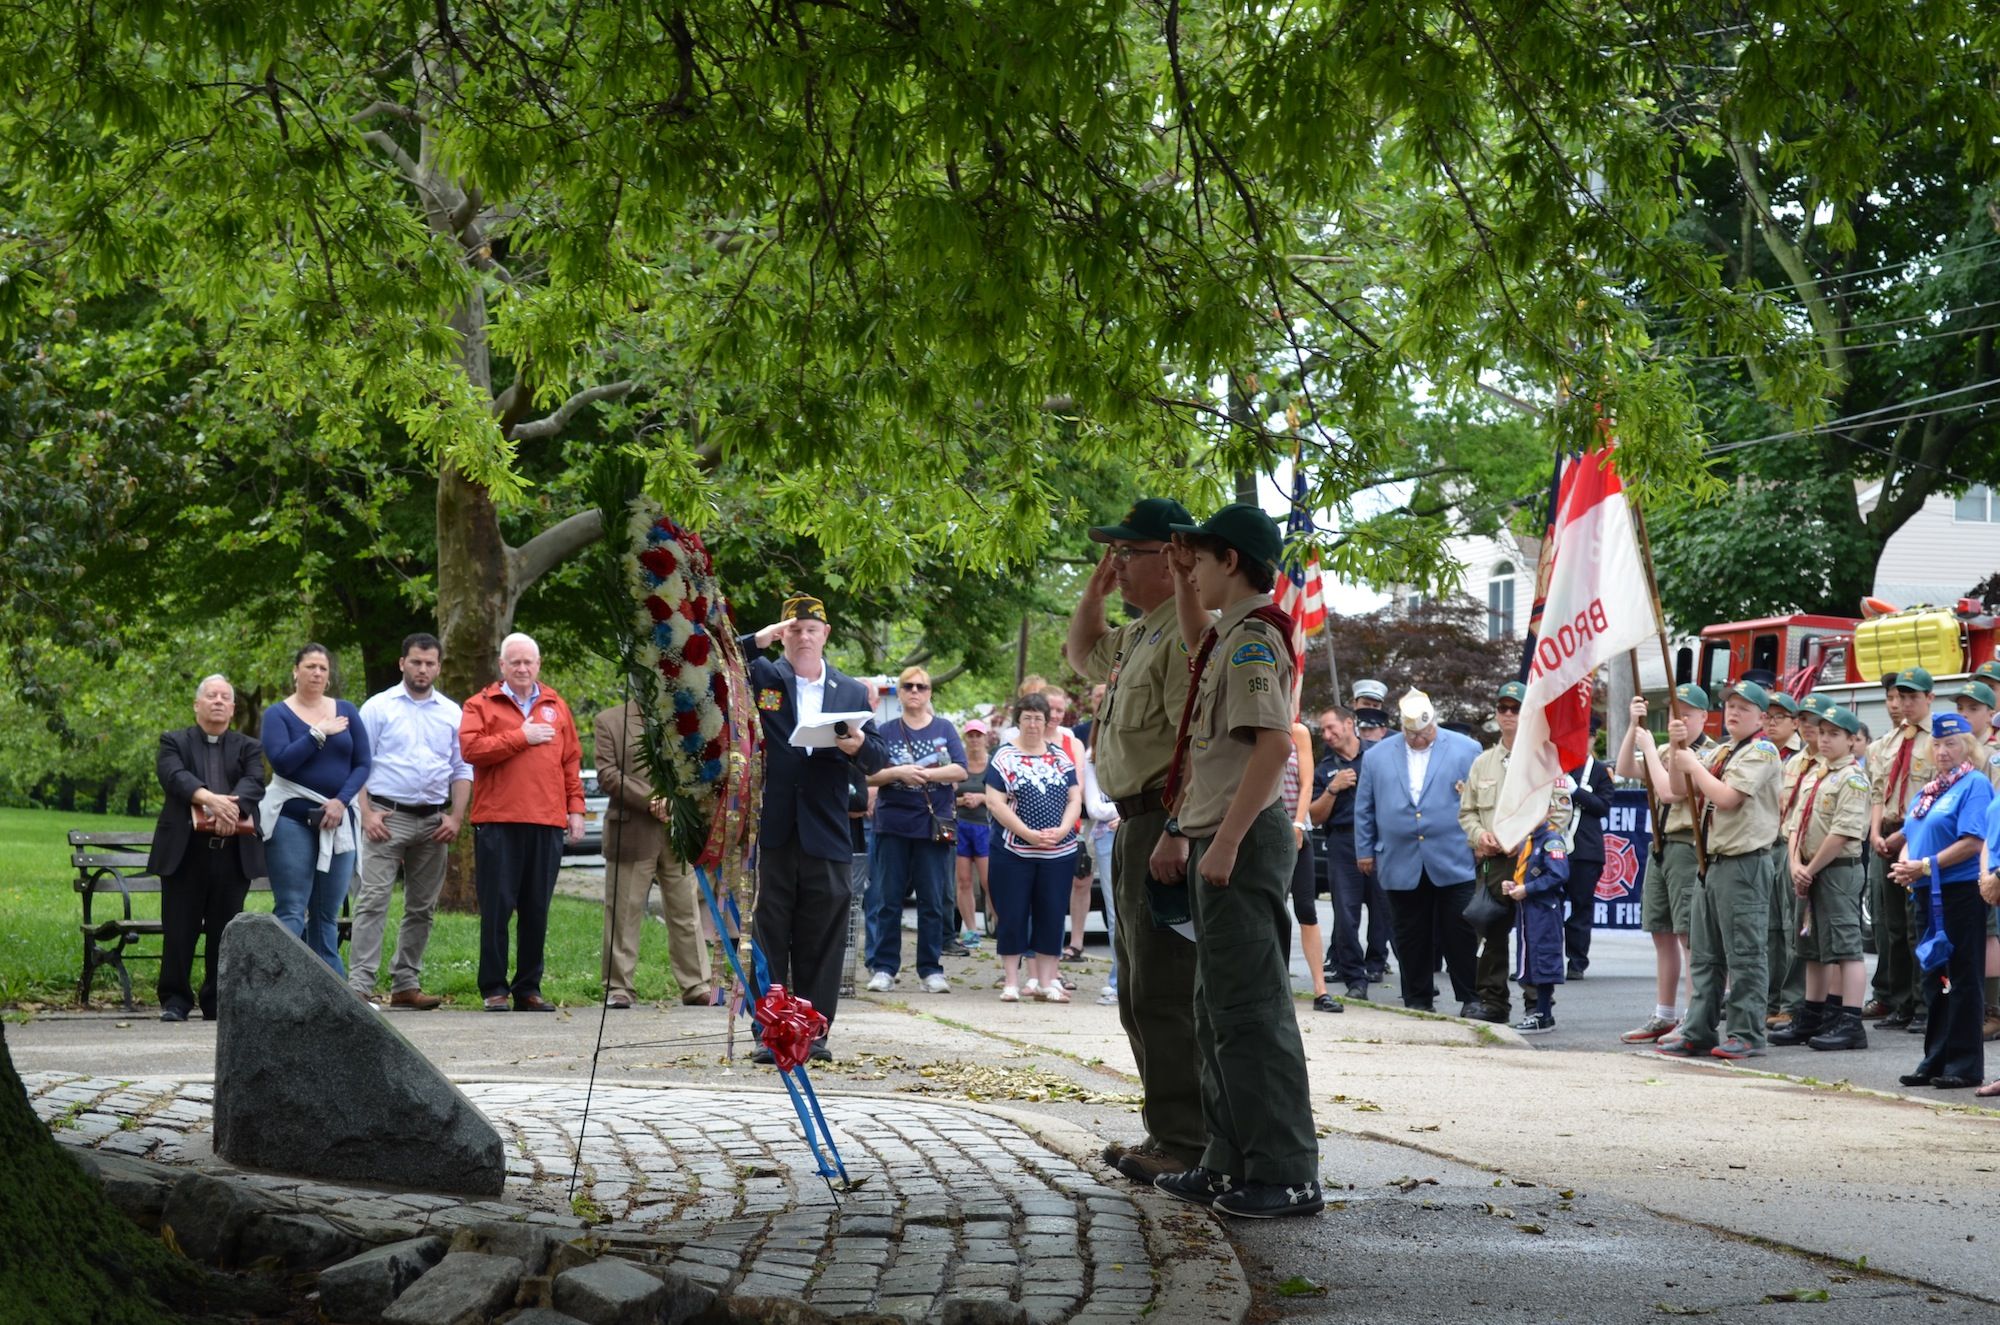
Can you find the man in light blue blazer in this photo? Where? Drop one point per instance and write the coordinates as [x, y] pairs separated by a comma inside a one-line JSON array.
[[1406, 827]]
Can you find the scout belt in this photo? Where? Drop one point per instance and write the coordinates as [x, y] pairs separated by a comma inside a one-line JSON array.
[[1150, 801]]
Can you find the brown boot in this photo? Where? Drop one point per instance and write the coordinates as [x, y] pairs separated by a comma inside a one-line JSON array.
[[414, 998]]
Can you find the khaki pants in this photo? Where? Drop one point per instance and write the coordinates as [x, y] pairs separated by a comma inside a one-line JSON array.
[[1786, 975], [1156, 998], [627, 883], [1732, 912], [421, 862], [1495, 965], [1255, 1094]]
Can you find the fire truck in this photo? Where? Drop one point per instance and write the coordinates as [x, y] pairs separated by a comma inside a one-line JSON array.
[[1844, 658]]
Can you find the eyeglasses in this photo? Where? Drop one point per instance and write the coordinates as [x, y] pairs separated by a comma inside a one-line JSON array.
[[1127, 553], [916, 685], [1509, 708]]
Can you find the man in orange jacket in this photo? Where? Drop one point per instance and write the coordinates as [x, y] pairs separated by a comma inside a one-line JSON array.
[[527, 789]]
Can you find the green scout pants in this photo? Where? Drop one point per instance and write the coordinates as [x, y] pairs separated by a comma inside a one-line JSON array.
[[1496, 963], [1836, 915], [1787, 974], [1156, 997], [1668, 903], [1895, 980], [1732, 910], [1255, 1095]]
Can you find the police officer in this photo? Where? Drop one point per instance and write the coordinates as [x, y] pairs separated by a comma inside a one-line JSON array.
[[1738, 786], [1899, 763], [1371, 711], [1144, 667], [1350, 960]]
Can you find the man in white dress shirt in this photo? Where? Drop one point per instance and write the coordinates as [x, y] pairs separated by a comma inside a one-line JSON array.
[[411, 810]]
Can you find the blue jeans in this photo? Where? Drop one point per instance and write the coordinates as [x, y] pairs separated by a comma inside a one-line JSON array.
[[903, 863], [307, 900], [1101, 839]]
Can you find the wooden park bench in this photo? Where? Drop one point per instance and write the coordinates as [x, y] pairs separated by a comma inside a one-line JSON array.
[[114, 864]]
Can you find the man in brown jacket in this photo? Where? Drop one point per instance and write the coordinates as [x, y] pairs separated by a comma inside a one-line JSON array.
[[637, 855]]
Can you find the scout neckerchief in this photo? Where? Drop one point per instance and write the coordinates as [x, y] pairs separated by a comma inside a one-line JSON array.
[[1896, 789], [1793, 799], [1935, 788], [1812, 799], [1705, 811], [1268, 614]]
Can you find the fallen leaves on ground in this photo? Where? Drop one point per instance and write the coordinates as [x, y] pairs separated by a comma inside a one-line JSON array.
[[1036, 1085], [1408, 1184], [1797, 1295], [1300, 1286]]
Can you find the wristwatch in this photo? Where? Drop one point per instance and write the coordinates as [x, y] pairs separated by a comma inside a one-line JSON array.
[[1173, 828]]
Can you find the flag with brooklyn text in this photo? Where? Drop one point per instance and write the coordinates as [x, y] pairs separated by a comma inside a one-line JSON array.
[[1600, 605]]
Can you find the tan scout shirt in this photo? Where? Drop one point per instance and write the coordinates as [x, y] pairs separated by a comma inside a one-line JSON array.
[[1753, 825], [1923, 767], [1245, 688], [1680, 815], [1989, 755], [1479, 795], [1801, 771], [1839, 807], [1144, 667]]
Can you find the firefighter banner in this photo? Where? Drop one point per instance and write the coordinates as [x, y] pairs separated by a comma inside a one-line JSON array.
[[1628, 851]]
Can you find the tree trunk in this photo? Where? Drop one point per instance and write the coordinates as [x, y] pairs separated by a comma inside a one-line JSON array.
[[71, 1256]]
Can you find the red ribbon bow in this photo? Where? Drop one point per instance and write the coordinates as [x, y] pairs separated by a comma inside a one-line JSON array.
[[790, 1026]]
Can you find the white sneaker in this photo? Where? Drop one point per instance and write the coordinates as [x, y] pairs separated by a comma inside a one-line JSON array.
[[1108, 997], [936, 984], [880, 982]]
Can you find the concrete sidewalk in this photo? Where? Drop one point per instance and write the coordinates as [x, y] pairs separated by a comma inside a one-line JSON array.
[[1444, 1142]]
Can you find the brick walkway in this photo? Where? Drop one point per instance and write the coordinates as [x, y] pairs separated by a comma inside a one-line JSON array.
[[954, 1203]]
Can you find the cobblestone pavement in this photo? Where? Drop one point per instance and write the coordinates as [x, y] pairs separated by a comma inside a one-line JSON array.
[[954, 1203]]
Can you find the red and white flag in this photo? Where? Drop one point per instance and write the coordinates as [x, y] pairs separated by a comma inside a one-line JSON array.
[[1600, 605]]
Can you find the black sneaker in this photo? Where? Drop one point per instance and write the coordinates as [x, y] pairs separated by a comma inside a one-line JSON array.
[[1198, 1186], [1270, 1200], [173, 1014], [1535, 1023], [1325, 1003], [956, 949]]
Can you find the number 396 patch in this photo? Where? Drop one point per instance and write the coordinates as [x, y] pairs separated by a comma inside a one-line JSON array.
[[1257, 685]]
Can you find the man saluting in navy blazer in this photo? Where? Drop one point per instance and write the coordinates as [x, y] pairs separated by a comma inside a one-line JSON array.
[[804, 856]]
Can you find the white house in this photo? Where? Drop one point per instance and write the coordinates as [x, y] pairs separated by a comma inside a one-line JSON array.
[[1498, 571]]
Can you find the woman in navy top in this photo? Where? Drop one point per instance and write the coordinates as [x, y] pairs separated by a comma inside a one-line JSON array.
[[1033, 793], [913, 849], [1943, 830], [319, 751]]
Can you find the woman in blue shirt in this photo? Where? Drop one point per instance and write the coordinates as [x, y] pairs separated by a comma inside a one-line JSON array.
[[913, 836], [319, 752], [1033, 793], [1943, 831]]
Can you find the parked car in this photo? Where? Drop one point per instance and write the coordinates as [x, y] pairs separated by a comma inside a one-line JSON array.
[[594, 805]]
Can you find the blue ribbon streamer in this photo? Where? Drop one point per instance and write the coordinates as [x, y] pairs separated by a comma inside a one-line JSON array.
[[797, 1084]]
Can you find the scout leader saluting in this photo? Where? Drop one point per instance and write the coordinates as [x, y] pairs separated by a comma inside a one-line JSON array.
[[1823, 870], [1262, 1159], [1736, 787]]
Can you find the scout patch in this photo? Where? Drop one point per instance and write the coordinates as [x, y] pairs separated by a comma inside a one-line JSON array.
[[770, 700], [1253, 651], [1154, 638]]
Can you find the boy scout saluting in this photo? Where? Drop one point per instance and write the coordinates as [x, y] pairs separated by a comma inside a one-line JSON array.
[[1143, 665], [1782, 722], [1899, 764], [1823, 869], [1736, 787], [1668, 900], [1262, 1159]]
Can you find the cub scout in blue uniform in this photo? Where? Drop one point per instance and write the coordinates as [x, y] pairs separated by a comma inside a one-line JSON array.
[[1736, 786], [1262, 1157]]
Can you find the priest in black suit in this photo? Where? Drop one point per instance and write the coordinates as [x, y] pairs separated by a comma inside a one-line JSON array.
[[804, 856], [213, 769]]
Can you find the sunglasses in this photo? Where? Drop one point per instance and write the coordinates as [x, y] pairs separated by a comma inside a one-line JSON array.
[[1509, 708], [916, 685]]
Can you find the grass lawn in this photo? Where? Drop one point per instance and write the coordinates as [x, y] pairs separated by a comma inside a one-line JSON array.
[[41, 953]]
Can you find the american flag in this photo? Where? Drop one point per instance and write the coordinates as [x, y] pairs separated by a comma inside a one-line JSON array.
[[1298, 593]]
